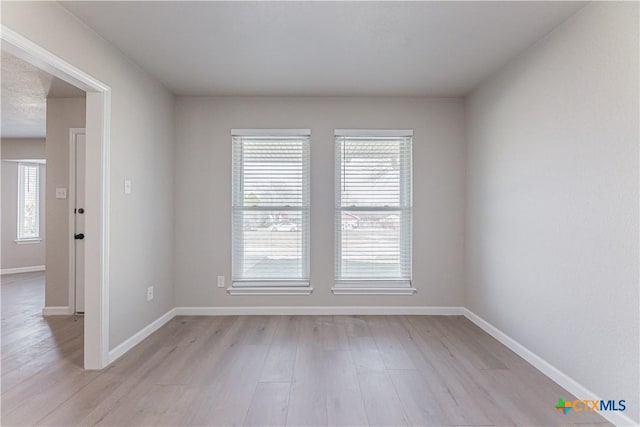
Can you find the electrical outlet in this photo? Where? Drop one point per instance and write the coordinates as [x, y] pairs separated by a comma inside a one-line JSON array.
[[221, 281], [149, 293]]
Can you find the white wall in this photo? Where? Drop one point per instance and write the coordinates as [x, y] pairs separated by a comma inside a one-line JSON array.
[[20, 255], [203, 192], [142, 139], [552, 217]]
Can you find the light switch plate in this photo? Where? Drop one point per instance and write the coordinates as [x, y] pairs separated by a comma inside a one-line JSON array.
[[149, 293], [221, 281], [127, 186], [61, 193]]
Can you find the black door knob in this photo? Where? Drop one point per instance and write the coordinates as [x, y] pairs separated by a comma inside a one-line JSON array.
[[78, 236], [81, 211]]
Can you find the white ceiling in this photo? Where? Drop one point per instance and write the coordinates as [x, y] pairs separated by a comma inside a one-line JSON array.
[[322, 48], [25, 90]]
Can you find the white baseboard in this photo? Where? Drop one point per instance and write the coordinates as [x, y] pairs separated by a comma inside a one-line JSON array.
[[57, 311], [555, 374], [22, 269], [317, 310], [139, 336]]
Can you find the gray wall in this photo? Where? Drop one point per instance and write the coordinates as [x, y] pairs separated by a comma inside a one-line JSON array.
[[203, 192], [20, 255], [62, 114], [142, 139], [552, 218]]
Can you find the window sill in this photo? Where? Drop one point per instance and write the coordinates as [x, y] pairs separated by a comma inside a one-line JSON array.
[[373, 288], [270, 290], [27, 241]]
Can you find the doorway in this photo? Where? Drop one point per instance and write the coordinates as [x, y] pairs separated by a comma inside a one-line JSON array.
[[96, 248]]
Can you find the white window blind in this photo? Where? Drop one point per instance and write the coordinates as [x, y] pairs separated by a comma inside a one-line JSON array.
[[270, 208], [373, 208], [28, 201]]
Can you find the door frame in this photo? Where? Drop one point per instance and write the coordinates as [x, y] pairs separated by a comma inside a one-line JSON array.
[[98, 125], [73, 132]]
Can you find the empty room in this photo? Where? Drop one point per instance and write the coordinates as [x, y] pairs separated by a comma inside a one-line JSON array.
[[320, 213]]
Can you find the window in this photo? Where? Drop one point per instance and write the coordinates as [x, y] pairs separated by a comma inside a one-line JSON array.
[[270, 208], [28, 201], [373, 211]]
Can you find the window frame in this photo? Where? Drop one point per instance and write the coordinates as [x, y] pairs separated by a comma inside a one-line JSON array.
[[20, 236], [266, 286], [384, 286]]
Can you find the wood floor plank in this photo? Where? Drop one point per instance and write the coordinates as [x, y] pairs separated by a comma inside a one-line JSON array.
[[20, 368], [258, 330], [457, 405], [180, 410], [282, 354], [215, 354], [269, 405], [37, 405], [334, 336], [226, 401], [355, 326], [131, 386], [417, 399], [468, 347], [381, 402], [365, 354], [36, 384], [44, 335], [146, 408], [345, 406], [447, 376], [80, 405], [514, 400], [152, 409], [307, 403], [391, 350], [178, 367]]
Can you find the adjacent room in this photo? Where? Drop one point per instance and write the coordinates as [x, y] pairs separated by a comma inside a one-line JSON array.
[[320, 213], [41, 316]]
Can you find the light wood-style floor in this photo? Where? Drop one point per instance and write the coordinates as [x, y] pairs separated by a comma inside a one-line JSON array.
[[270, 371]]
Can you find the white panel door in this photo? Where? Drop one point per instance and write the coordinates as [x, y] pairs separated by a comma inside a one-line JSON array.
[[79, 215]]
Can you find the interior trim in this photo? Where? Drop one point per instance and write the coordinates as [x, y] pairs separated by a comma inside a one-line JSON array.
[[30, 241], [271, 132], [393, 133], [319, 311], [139, 336], [269, 290], [22, 269], [57, 311], [372, 290]]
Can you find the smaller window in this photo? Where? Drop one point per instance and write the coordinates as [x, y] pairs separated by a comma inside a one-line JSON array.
[[28, 201]]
